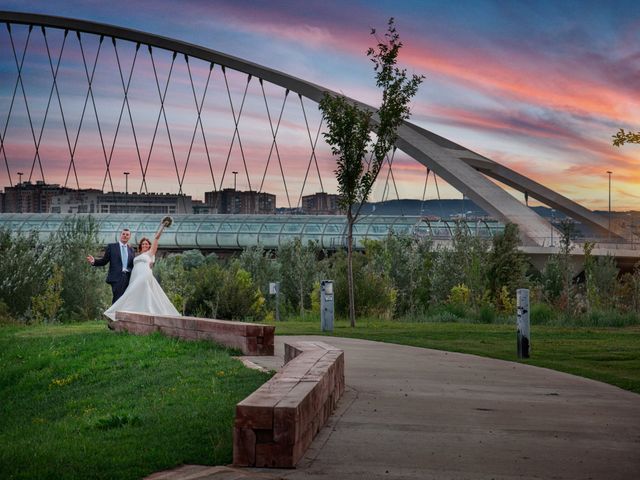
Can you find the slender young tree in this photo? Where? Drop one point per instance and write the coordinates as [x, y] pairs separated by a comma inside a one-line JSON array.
[[350, 128]]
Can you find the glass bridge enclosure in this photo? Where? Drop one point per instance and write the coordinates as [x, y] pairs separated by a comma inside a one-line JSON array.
[[236, 232]]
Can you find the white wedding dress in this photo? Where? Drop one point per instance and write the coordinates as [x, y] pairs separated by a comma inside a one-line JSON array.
[[144, 294]]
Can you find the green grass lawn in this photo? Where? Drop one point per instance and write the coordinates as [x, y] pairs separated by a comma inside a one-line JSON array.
[[611, 355], [79, 401]]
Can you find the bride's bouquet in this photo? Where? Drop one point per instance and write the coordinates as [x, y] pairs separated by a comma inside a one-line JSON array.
[[167, 221]]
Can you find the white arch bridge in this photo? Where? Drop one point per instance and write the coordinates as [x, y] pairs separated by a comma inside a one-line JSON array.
[[465, 170]]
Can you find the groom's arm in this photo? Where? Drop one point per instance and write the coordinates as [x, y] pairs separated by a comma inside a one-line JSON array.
[[100, 262]]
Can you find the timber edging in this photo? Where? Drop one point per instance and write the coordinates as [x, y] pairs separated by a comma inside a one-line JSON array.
[[276, 424], [250, 338]]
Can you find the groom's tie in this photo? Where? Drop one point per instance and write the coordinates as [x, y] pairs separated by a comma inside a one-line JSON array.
[[124, 255]]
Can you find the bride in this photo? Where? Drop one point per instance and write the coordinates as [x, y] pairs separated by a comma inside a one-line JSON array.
[[144, 294]]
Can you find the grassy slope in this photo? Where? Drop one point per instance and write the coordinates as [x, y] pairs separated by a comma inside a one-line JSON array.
[[79, 401], [611, 355]]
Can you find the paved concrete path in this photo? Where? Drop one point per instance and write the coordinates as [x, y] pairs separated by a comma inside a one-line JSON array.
[[414, 413]]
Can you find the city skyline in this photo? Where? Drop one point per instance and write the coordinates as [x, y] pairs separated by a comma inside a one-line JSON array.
[[540, 88]]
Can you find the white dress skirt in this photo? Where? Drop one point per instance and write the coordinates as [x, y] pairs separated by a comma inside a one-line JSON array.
[[144, 294]]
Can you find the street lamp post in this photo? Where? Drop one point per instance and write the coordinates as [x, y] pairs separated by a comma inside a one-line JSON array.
[[609, 172], [126, 191], [235, 174]]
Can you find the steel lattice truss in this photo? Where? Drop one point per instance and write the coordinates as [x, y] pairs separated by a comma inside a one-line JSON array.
[[119, 98]]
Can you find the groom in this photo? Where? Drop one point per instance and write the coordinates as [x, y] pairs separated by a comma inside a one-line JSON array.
[[119, 256]]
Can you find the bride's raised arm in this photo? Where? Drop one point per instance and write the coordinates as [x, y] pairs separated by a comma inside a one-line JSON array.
[[166, 222], [156, 239]]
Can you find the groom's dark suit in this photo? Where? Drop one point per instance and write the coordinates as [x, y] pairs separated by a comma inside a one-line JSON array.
[[117, 277]]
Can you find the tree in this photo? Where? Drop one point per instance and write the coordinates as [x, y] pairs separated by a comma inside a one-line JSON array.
[[298, 270], [622, 137], [349, 134], [507, 265]]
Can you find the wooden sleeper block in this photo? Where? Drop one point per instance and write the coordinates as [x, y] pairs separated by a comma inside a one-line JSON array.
[[296, 403], [251, 339]]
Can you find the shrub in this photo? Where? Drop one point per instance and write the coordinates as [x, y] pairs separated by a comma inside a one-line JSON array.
[[541, 314], [175, 281], [507, 266], [25, 265], [263, 269], [224, 293], [297, 273], [192, 259], [76, 237], [406, 260], [46, 305], [464, 263], [506, 301], [486, 314], [374, 293], [459, 295]]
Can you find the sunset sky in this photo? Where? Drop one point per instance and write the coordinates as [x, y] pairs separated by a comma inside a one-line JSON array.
[[540, 86]]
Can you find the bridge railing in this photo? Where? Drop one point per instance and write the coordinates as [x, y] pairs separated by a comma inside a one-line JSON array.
[[599, 243]]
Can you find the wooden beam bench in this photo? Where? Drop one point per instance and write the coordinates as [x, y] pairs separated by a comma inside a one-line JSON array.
[[250, 338], [276, 424]]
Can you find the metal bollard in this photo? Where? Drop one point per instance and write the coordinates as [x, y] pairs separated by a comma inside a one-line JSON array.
[[326, 305], [274, 289], [524, 342]]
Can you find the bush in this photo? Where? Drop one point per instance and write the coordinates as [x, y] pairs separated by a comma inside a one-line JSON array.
[[228, 294], [46, 306], [298, 267], [25, 266], [374, 293], [464, 263], [85, 295], [541, 314], [175, 280], [507, 267], [406, 261], [459, 295], [486, 314], [607, 318]]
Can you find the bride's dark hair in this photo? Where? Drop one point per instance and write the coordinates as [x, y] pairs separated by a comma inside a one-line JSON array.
[[143, 239]]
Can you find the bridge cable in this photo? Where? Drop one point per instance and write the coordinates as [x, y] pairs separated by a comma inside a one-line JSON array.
[[313, 153], [424, 191], [274, 143], [435, 180], [90, 93], [393, 178], [126, 98], [162, 95], [199, 119], [125, 89], [163, 113], [236, 132], [13, 97], [26, 103], [387, 189], [64, 123], [53, 87]]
